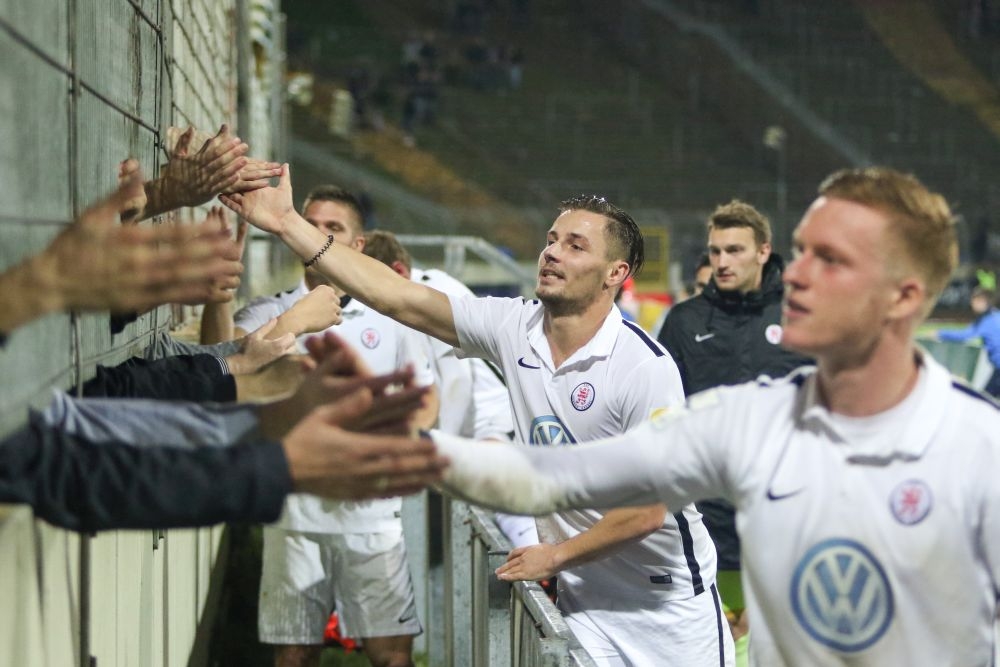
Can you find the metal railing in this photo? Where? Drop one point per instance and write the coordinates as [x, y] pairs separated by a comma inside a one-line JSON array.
[[480, 620]]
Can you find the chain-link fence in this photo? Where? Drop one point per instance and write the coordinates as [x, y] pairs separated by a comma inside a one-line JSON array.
[[83, 85]]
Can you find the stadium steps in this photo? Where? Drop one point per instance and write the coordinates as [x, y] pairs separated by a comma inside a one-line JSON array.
[[906, 29]]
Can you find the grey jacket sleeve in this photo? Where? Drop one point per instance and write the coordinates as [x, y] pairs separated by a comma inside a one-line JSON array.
[[165, 345], [142, 422]]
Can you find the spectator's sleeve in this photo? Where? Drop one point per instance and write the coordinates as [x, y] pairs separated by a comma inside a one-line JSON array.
[[75, 484], [165, 345], [958, 335], [144, 422], [197, 378]]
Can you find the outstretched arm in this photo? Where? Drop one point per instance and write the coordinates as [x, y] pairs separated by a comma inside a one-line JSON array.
[[97, 264], [192, 177], [366, 279], [541, 480]]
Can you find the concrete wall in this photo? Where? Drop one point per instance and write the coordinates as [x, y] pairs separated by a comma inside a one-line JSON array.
[[84, 84]]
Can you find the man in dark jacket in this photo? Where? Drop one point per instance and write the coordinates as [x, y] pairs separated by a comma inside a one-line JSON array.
[[729, 334]]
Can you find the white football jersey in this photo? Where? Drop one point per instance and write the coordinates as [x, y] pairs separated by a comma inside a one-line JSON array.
[[474, 400], [866, 541], [385, 346], [619, 379]]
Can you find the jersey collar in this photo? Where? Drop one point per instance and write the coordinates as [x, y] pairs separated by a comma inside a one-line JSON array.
[[600, 346], [909, 444]]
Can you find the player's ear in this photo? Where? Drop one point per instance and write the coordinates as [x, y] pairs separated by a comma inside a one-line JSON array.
[[763, 253], [617, 273], [908, 299]]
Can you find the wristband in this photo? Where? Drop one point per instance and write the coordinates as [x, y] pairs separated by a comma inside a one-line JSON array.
[[326, 246]]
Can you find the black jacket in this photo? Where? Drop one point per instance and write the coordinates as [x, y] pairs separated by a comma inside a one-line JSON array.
[[75, 484], [725, 338], [198, 378]]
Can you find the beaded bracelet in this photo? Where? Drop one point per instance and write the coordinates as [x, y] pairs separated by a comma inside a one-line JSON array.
[[326, 246]]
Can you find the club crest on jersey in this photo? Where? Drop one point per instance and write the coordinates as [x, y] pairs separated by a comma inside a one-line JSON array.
[[841, 596], [548, 430], [370, 338], [583, 396], [911, 502], [773, 334]]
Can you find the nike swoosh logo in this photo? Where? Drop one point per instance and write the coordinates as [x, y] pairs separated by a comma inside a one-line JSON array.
[[781, 496], [406, 618], [698, 338], [520, 362]]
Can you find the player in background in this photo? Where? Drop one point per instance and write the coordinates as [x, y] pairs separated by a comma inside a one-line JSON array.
[[637, 584]]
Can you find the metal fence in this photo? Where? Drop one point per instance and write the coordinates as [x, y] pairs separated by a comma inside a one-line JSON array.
[[84, 85], [471, 617]]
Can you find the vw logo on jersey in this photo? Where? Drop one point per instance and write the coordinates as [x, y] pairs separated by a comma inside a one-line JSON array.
[[582, 396], [370, 338], [911, 502], [841, 596], [773, 334], [548, 430]]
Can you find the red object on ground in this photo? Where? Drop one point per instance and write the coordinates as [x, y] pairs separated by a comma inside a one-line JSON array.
[[331, 636]]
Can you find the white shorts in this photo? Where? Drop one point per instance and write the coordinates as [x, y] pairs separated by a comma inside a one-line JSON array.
[[365, 577], [680, 633]]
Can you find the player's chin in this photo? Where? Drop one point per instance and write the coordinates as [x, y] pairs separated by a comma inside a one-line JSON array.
[[546, 293], [797, 338]]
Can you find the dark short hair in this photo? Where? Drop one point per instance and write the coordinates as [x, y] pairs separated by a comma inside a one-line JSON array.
[[984, 293], [340, 195], [622, 233], [741, 214], [386, 248]]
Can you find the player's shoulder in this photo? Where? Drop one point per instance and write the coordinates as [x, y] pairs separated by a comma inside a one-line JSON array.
[[974, 399], [444, 282], [636, 349], [763, 395]]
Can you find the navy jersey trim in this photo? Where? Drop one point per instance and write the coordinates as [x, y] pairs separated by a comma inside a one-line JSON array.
[[718, 625], [685, 529], [969, 391], [496, 371], [657, 350]]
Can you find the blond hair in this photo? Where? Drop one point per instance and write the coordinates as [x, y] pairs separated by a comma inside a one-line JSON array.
[[920, 222]]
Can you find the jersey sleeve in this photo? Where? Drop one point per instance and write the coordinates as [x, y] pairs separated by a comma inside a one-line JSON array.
[[257, 313], [650, 389], [411, 351], [677, 459], [478, 321]]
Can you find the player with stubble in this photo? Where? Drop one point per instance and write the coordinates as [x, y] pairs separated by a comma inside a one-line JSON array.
[[865, 487], [730, 334], [637, 585]]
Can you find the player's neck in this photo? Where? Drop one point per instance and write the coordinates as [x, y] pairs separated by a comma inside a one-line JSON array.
[[566, 333], [870, 383]]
